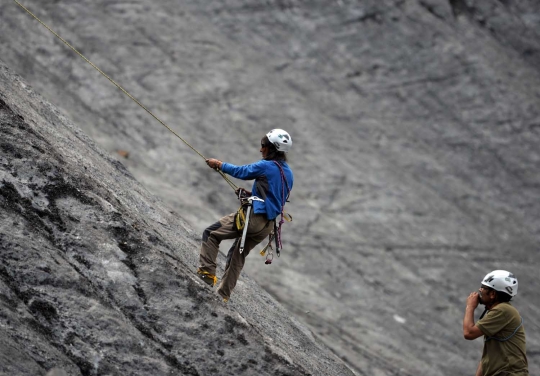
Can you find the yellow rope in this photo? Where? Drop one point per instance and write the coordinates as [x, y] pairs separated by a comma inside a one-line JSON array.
[[240, 218], [123, 90]]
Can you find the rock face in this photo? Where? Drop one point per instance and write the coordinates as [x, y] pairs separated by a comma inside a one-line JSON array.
[[97, 276], [416, 128]]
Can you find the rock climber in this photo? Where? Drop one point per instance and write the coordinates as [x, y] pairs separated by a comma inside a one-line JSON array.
[[273, 181]]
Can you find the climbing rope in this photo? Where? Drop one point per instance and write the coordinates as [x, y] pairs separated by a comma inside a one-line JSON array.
[[233, 186], [506, 338]]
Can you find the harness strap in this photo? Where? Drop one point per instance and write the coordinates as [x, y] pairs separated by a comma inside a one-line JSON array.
[[284, 199]]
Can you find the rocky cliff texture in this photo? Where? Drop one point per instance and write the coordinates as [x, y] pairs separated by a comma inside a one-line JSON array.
[[97, 276], [416, 128]]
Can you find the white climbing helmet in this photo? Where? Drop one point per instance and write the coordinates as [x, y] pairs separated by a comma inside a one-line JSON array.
[[281, 139], [501, 280]]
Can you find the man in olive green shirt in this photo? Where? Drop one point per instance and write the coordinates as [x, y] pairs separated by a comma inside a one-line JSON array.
[[501, 325]]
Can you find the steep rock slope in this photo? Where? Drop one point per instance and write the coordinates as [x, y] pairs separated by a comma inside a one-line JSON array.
[[96, 274], [416, 145]]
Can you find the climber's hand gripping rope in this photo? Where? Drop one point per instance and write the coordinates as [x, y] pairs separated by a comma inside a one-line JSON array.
[[214, 163]]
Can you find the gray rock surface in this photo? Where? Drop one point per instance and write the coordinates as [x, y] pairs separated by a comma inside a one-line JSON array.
[[416, 128], [97, 275]]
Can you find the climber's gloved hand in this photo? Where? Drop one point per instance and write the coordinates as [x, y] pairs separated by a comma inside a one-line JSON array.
[[242, 193], [214, 163]]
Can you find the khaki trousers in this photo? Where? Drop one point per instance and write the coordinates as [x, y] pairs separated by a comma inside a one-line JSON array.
[[259, 228]]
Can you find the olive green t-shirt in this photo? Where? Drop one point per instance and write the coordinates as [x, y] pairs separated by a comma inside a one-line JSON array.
[[503, 357]]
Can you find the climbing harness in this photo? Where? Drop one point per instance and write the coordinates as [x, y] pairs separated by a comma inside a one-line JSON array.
[[124, 91], [501, 339], [248, 204]]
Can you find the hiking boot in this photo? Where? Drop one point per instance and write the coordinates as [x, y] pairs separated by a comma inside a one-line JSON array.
[[225, 298], [208, 278]]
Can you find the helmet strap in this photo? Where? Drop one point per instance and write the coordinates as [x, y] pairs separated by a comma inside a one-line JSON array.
[[484, 313]]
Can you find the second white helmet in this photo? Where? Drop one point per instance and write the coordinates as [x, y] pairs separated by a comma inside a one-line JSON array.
[[501, 280], [280, 139]]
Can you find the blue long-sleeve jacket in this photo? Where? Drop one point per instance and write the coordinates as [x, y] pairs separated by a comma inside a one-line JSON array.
[[268, 184]]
